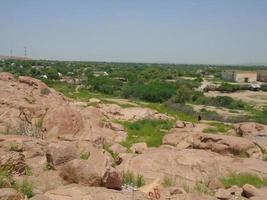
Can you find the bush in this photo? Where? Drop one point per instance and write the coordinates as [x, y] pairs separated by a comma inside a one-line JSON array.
[[128, 178], [25, 188], [45, 91], [168, 182], [222, 101], [154, 91], [85, 155]]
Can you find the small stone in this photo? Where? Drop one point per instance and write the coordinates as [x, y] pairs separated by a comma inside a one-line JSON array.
[[138, 147], [223, 194]]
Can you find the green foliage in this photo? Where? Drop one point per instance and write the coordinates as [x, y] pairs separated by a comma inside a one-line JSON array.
[[168, 182], [105, 85], [226, 87], [128, 178], [201, 187], [242, 179], [222, 101], [48, 167], [45, 91], [5, 176], [25, 187], [146, 130], [178, 111], [85, 155], [183, 94], [217, 127], [264, 87], [155, 91], [113, 154], [13, 146]]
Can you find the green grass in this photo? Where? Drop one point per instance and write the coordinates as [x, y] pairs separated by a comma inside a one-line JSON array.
[[242, 179], [69, 91], [128, 178], [13, 146], [25, 187], [48, 167], [203, 188], [168, 182], [162, 108], [147, 131], [217, 127]]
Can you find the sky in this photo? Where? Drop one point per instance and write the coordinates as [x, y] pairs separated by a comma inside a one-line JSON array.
[[165, 31]]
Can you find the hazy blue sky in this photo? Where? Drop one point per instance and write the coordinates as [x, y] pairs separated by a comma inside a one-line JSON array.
[[181, 31]]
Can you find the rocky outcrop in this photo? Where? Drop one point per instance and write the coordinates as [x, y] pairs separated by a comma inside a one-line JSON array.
[[82, 172], [113, 111], [255, 132], [60, 152], [223, 144], [187, 165], [226, 145]]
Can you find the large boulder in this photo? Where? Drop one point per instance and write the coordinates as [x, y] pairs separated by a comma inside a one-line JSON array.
[[82, 172], [112, 180], [60, 152]]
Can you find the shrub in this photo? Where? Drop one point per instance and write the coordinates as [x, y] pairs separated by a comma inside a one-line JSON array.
[[25, 187], [13, 146], [242, 179], [203, 188], [168, 182], [45, 91], [85, 155], [128, 178], [48, 167]]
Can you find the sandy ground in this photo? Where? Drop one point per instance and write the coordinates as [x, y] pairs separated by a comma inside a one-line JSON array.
[[258, 98]]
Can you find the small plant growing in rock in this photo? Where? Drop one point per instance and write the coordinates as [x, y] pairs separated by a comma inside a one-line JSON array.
[[202, 188], [5, 176], [113, 154], [140, 181], [45, 91], [48, 167], [168, 182], [13, 146], [25, 187], [129, 179], [85, 155]]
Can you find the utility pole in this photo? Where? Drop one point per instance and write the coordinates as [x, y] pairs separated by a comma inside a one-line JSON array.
[[25, 52], [11, 52]]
